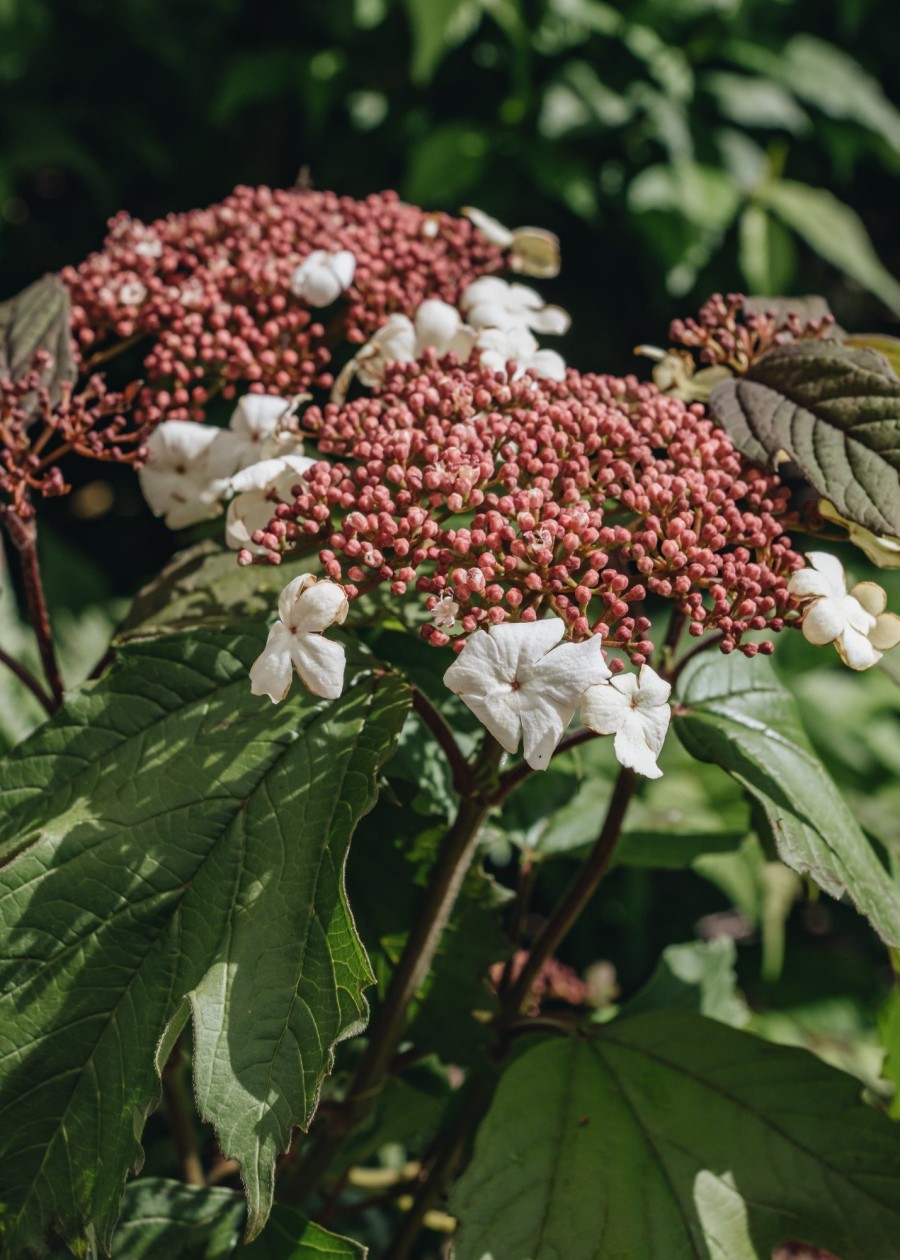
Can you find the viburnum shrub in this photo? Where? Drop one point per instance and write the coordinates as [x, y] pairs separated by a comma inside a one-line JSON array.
[[436, 567]]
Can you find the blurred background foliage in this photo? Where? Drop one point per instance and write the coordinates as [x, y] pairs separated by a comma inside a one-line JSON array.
[[676, 147]]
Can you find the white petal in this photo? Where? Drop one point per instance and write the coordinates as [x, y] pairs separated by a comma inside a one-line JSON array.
[[535, 252], [316, 284], [247, 513], [871, 596], [886, 634], [856, 650], [436, 324], [271, 672], [268, 472], [562, 676], [831, 568], [175, 441], [520, 644], [343, 264], [318, 606], [552, 320], [495, 232], [320, 662], [653, 691], [496, 713], [604, 708], [632, 749], [484, 289], [549, 364], [259, 415], [475, 671], [542, 729], [823, 622], [810, 584], [289, 596]]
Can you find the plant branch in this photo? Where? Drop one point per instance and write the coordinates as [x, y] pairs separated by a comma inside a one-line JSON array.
[[386, 1031], [180, 1115], [24, 538], [28, 679], [459, 767], [511, 779], [577, 896]]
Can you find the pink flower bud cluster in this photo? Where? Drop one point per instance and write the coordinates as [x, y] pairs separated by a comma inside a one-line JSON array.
[[36, 431], [510, 498], [555, 982], [211, 289], [728, 334]]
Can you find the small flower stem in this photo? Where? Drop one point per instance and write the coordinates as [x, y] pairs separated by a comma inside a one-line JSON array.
[[460, 768], [386, 1030], [27, 678], [24, 538], [577, 896]]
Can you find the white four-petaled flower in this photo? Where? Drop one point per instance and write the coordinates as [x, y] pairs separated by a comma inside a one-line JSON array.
[[521, 685], [634, 708], [490, 302], [436, 326], [855, 621], [261, 427], [533, 251], [305, 609], [323, 276], [187, 472]]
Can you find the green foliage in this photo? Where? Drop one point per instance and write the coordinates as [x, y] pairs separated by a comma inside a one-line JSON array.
[[37, 319], [670, 1134], [166, 1220], [200, 840], [735, 713], [834, 411], [698, 976]]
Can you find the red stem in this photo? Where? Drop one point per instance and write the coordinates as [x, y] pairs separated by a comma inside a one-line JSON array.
[[24, 539]]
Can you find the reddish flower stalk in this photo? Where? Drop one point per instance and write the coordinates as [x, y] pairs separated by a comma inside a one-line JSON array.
[[727, 334]]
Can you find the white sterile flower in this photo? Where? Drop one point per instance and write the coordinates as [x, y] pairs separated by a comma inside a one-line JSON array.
[[534, 251], [490, 302], [322, 277], [296, 642], [519, 684], [498, 346], [257, 491], [437, 326], [854, 621], [132, 293], [186, 472], [634, 708], [261, 428]]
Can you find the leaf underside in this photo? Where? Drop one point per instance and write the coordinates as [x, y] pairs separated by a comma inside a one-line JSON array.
[[181, 844], [834, 410]]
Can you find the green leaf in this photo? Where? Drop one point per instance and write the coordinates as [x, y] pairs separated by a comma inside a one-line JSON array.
[[673, 1135], [735, 713], [697, 976], [166, 1220], [204, 587], [887, 346], [182, 847], [756, 102], [445, 165], [289, 1236], [437, 26], [674, 850], [767, 255], [38, 319], [835, 232], [835, 411], [889, 1035]]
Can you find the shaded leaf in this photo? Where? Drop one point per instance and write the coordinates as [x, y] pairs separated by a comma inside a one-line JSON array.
[[38, 319], [835, 232], [182, 847], [166, 1220], [673, 1135], [766, 252], [289, 1236], [697, 976], [835, 411], [437, 26], [735, 713]]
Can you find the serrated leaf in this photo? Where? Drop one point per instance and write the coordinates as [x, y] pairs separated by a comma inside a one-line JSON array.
[[166, 1220], [835, 232], [38, 319], [735, 713], [182, 842], [835, 411], [673, 1135], [697, 976]]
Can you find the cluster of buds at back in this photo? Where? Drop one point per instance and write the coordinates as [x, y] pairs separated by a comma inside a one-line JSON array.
[[36, 430], [503, 498], [727, 333], [230, 296]]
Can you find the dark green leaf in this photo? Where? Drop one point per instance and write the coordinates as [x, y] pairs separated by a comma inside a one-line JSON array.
[[166, 1220], [767, 255], [698, 976], [671, 1135], [289, 1236], [835, 412], [182, 847], [735, 713], [438, 25], [38, 319]]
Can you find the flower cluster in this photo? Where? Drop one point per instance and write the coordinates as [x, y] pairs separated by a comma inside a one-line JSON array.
[[230, 295], [731, 334], [38, 427], [502, 498]]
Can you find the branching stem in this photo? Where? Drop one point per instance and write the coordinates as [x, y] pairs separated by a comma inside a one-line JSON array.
[[23, 535]]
